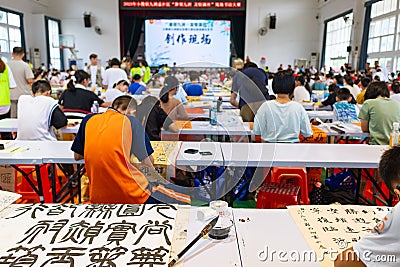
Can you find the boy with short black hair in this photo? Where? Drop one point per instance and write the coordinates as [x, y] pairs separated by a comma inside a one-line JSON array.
[[37, 125], [343, 110], [384, 238]]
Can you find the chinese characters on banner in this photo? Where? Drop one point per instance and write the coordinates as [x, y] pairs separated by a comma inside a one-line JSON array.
[[86, 235], [334, 228]]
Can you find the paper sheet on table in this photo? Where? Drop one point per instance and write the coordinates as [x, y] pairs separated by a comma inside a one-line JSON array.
[[7, 198], [183, 124], [334, 227], [14, 149]]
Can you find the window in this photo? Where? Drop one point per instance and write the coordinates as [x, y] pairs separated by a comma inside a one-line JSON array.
[[338, 35], [11, 32], [54, 55], [384, 35], [383, 7], [381, 35]]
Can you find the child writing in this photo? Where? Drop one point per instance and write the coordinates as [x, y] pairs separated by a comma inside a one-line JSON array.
[[343, 110]]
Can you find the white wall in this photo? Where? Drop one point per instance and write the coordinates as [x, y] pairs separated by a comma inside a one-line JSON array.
[[296, 34], [104, 14]]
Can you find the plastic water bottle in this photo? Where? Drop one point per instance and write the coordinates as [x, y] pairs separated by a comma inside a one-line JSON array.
[[394, 135], [219, 104], [95, 107], [213, 116]]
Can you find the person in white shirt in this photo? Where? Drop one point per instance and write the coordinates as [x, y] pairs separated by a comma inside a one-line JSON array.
[[349, 84], [282, 120], [95, 71], [119, 88], [38, 113], [383, 241], [396, 91], [114, 74], [23, 77], [302, 91]]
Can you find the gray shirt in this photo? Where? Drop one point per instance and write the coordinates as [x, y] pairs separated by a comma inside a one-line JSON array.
[[21, 72]]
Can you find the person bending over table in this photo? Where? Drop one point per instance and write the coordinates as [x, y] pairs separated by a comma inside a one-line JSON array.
[[172, 106], [37, 125], [282, 120], [77, 98], [106, 142], [153, 118], [378, 113], [384, 238]]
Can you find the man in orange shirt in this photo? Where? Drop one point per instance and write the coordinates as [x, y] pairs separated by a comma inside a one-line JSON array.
[[106, 142]]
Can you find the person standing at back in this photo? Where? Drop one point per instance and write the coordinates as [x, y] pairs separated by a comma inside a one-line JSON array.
[[95, 71], [114, 74], [23, 76], [6, 83]]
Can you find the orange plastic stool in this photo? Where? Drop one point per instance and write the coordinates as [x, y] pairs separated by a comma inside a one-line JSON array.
[[277, 196], [24, 188], [296, 176]]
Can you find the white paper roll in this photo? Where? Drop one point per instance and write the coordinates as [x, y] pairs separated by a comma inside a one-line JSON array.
[[206, 214]]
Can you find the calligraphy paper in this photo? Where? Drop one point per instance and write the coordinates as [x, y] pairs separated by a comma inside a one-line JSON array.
[[86, 235], [7, 198], [331, 229]]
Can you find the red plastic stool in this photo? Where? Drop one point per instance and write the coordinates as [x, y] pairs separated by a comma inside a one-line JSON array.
[[24, 188], [295, 176], [277, 196]]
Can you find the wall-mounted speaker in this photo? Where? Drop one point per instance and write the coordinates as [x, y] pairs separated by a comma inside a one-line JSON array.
[[87, 20], [349, 49], [272, 22]]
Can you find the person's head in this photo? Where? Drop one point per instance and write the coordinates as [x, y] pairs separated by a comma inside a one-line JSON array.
[[283, 83], [115, 62], [365, 82], [333, 88], [238, 64], [300, 80], [2, 66], [136, 78], [249, 65], [170, 87], [18, 52], [94, 60], [396, 87], [376, 63], [377, 89], [194, 77], [125, 104], [121, 85], [389, 169], [338, 79], [81, 77], [343, 94], [349, 80], [41, 87]]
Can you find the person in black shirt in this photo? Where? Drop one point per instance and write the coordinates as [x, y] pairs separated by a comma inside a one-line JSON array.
[[77, 98], [153, 118], [331, 99]]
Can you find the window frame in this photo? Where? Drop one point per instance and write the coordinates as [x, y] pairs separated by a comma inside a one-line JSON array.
[[48, 47], [21, 28], [324, 43]]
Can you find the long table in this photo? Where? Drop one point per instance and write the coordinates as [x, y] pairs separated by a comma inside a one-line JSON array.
[[11, 125]]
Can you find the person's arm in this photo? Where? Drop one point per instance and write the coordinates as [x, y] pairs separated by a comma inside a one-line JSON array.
[[182, 114], [365, 126], [305, 126], [364, 117], [141, 147], [29, 75], [105, 104], [166, 122], [77, 156], [58, 119], [173, 128], [348, 258], [78, 146], [233, 101]]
